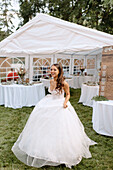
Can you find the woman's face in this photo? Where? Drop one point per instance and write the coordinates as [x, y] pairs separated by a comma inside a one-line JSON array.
[[54, 71]]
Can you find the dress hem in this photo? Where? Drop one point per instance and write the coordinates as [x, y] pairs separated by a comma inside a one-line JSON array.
[[53, 162]]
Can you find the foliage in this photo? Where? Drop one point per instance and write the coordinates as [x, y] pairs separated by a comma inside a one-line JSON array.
[[28, 9], [13, 121], [6, 16], [99, 98], [100, 16], [96, 14], [2, 34]]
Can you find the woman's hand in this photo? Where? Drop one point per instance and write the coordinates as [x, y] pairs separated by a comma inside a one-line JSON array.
[[65, 105]]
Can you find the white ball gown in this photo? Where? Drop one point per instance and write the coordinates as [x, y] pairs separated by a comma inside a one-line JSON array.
[[53, 135]]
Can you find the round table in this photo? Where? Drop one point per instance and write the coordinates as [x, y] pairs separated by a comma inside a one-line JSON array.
[[17, 96], [87, 93], [103, 117], [77, 81]]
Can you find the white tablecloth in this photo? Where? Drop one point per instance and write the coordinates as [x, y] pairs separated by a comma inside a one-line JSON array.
[[103, 117], [17, 96], [77, 81], [87, 93], [46, 82]]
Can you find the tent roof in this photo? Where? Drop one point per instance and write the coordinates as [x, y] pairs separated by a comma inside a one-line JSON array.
[[45, 34]]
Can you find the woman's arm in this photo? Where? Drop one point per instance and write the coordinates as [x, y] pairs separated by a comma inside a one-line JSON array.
[[66, 89]]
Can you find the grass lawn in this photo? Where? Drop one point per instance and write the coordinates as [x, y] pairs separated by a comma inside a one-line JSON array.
[[12, 122]]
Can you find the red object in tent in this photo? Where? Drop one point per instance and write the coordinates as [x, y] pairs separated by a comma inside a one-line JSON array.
[[12, 75]]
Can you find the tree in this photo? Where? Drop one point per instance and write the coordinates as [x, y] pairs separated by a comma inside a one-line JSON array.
[[106, 23], [29, 9], [6, 16], [2, 34], [97, 14]]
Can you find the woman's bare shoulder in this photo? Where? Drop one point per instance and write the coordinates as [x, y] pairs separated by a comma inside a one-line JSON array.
[[65, 84]]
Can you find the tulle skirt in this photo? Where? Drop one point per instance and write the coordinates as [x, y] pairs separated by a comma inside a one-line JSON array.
[[52, 136]]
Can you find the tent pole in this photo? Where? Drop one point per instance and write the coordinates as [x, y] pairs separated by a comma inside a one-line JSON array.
[[53, 59], [72, 64], [29, 69], [85, 61], [27, 66]]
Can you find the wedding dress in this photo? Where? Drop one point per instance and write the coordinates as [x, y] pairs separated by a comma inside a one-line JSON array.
[[53, 135]]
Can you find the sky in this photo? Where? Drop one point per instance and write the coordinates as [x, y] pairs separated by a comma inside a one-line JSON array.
[[15, 5]]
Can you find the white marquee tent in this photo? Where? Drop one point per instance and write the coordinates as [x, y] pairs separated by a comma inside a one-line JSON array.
[[48, 36], [45, 34]]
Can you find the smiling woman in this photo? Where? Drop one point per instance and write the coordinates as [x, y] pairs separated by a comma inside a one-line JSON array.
[[57, 74], [53, 134]]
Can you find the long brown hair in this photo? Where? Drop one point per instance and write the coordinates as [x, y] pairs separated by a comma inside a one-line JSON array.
[[61, 78]]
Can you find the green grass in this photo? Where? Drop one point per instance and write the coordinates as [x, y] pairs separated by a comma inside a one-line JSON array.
[[12, 122]]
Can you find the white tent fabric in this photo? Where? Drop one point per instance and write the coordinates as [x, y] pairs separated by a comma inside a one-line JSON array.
[[45, 34]]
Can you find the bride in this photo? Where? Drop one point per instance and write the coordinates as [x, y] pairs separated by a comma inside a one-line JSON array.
[[53, 134]]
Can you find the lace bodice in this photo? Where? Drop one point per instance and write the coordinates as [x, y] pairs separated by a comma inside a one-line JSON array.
[[56, 94]]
